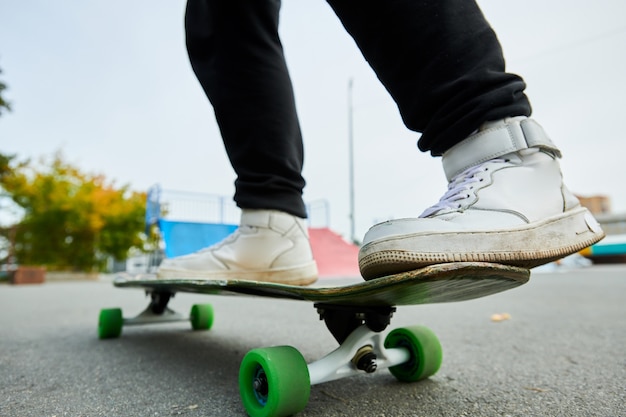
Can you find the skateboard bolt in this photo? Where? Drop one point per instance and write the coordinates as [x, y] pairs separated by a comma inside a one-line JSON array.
[[368, 363], [365, 360], [260, 384]]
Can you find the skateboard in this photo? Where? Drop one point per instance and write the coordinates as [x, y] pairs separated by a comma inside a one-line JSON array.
[[276, 381]]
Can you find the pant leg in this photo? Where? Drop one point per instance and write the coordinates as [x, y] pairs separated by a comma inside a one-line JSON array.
[[440, 61], [237, 56]]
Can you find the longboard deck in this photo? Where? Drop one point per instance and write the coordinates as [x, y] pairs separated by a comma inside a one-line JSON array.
[[440, 283]]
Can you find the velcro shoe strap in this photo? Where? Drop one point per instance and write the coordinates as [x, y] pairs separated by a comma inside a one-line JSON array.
[[495, 139], [268, 219]]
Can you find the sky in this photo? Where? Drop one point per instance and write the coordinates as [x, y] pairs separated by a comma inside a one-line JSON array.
[[108, 83]]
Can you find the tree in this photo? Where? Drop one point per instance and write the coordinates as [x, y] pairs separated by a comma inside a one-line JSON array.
[[72, 220], [5, 164], [3, 103], [6, 208]]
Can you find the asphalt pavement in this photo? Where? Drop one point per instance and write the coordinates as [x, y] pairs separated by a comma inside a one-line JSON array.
[[561, 352]]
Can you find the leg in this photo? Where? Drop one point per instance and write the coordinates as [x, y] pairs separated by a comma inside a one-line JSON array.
[[440, 61], [237, 56], [506, 202]]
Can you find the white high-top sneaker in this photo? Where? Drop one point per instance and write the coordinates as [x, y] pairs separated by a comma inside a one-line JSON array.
[[269, 245], [506, 203]]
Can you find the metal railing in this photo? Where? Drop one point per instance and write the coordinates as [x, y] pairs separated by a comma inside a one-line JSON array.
[[187, 206]]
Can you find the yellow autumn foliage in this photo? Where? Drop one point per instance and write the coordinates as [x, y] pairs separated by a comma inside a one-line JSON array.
[[72, 220]]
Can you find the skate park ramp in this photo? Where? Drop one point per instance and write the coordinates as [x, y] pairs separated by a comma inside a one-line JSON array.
[[335, 256], [182, 238]]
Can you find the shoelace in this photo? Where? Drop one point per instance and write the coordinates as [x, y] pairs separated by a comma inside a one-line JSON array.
[[461, 188]]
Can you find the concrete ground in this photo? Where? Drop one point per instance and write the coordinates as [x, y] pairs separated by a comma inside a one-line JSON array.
[[561, 353]]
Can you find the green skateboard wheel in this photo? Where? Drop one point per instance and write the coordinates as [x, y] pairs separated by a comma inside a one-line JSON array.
[[274, 382], [110, 323], [425, 350], [201, 316]]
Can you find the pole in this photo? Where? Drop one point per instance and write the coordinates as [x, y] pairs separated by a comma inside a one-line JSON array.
[[351, 162]]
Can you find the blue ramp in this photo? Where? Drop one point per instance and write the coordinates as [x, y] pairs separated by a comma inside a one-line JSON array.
[[182, 238]]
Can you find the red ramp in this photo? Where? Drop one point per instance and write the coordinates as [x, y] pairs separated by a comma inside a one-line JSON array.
[[335, 257]]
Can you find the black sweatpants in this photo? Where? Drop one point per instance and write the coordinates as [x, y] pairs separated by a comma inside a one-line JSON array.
[[439, 59]]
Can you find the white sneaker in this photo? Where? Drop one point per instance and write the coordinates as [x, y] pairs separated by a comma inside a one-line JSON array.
[[269, 245], [506, 203]]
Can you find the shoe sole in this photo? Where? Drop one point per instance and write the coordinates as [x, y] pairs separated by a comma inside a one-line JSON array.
[[542, 242], [301, 275]]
